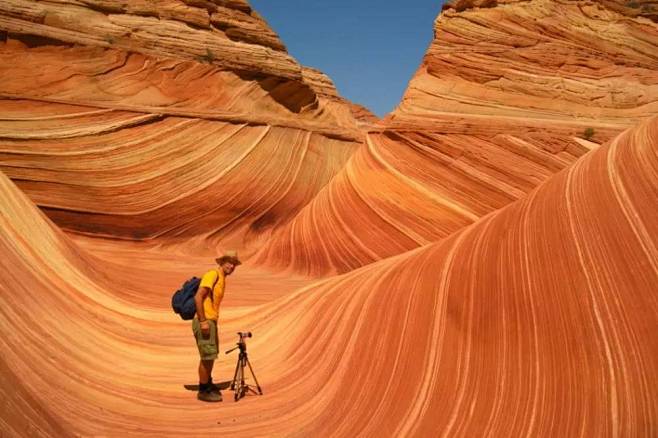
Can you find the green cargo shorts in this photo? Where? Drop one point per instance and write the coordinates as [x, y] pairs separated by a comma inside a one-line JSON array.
[[208, 347]]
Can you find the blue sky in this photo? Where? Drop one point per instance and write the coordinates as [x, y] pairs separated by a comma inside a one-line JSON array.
[[369, 48]]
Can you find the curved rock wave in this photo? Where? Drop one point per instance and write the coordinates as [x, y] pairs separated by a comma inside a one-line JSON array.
[[540, 310], [128, 136], [508, 94], [495, 235], [405, 189]]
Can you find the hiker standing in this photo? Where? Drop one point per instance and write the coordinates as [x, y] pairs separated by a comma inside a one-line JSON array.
[[208, 300]]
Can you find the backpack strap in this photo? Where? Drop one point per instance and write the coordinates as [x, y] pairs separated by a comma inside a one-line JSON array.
[[212, 291]]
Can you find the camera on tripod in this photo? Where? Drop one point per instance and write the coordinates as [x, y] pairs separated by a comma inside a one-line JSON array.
[[238, 384]]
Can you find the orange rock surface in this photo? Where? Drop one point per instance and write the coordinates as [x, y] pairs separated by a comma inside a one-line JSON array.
[[506, 96], [126, 144], [481, 262]]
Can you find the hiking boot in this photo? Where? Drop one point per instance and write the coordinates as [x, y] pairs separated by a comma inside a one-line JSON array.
[[209, 396], [212, 386]]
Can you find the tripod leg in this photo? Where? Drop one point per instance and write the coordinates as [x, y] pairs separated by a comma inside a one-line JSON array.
[[243, 386], [260, 391], [235, 375], [238, 379]]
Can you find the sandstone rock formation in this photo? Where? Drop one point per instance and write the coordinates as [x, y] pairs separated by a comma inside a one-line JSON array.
[[226, 35], [506, 96], [136, 119], [495, 235], [535, 321]]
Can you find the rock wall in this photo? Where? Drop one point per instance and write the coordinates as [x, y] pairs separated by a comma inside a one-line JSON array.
[[142, 112], [508, 94]]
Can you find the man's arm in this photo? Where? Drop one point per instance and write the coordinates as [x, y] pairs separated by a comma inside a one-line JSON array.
[[200, 311]]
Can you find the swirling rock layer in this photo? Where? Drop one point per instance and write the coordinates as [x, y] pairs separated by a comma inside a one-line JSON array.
[[508, 94], [121, 144], [140, 176], [495, 235], [535, 321], [232, 36]]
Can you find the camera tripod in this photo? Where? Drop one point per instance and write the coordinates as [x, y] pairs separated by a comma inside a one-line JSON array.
[[238, 384]]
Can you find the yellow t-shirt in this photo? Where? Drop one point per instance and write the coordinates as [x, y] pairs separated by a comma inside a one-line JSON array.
[[211, 305]]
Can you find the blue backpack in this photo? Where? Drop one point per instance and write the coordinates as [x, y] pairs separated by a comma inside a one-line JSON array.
[[183, 299]]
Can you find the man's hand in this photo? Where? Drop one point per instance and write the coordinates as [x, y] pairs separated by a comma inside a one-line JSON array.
[[205, 329]]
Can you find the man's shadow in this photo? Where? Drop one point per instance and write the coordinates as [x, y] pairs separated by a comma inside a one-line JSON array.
[[216, 386]]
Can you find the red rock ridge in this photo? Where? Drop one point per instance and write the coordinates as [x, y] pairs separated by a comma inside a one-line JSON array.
[[508, 94], [120, 79], [230, 37]]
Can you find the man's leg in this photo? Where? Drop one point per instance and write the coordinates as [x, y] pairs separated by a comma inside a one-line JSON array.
[[205, 370], [208, 351]]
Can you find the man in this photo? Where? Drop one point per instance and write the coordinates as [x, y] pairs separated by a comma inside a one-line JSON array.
[[208, 299]]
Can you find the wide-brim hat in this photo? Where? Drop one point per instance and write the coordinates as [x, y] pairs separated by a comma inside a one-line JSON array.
[[229, 256]]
